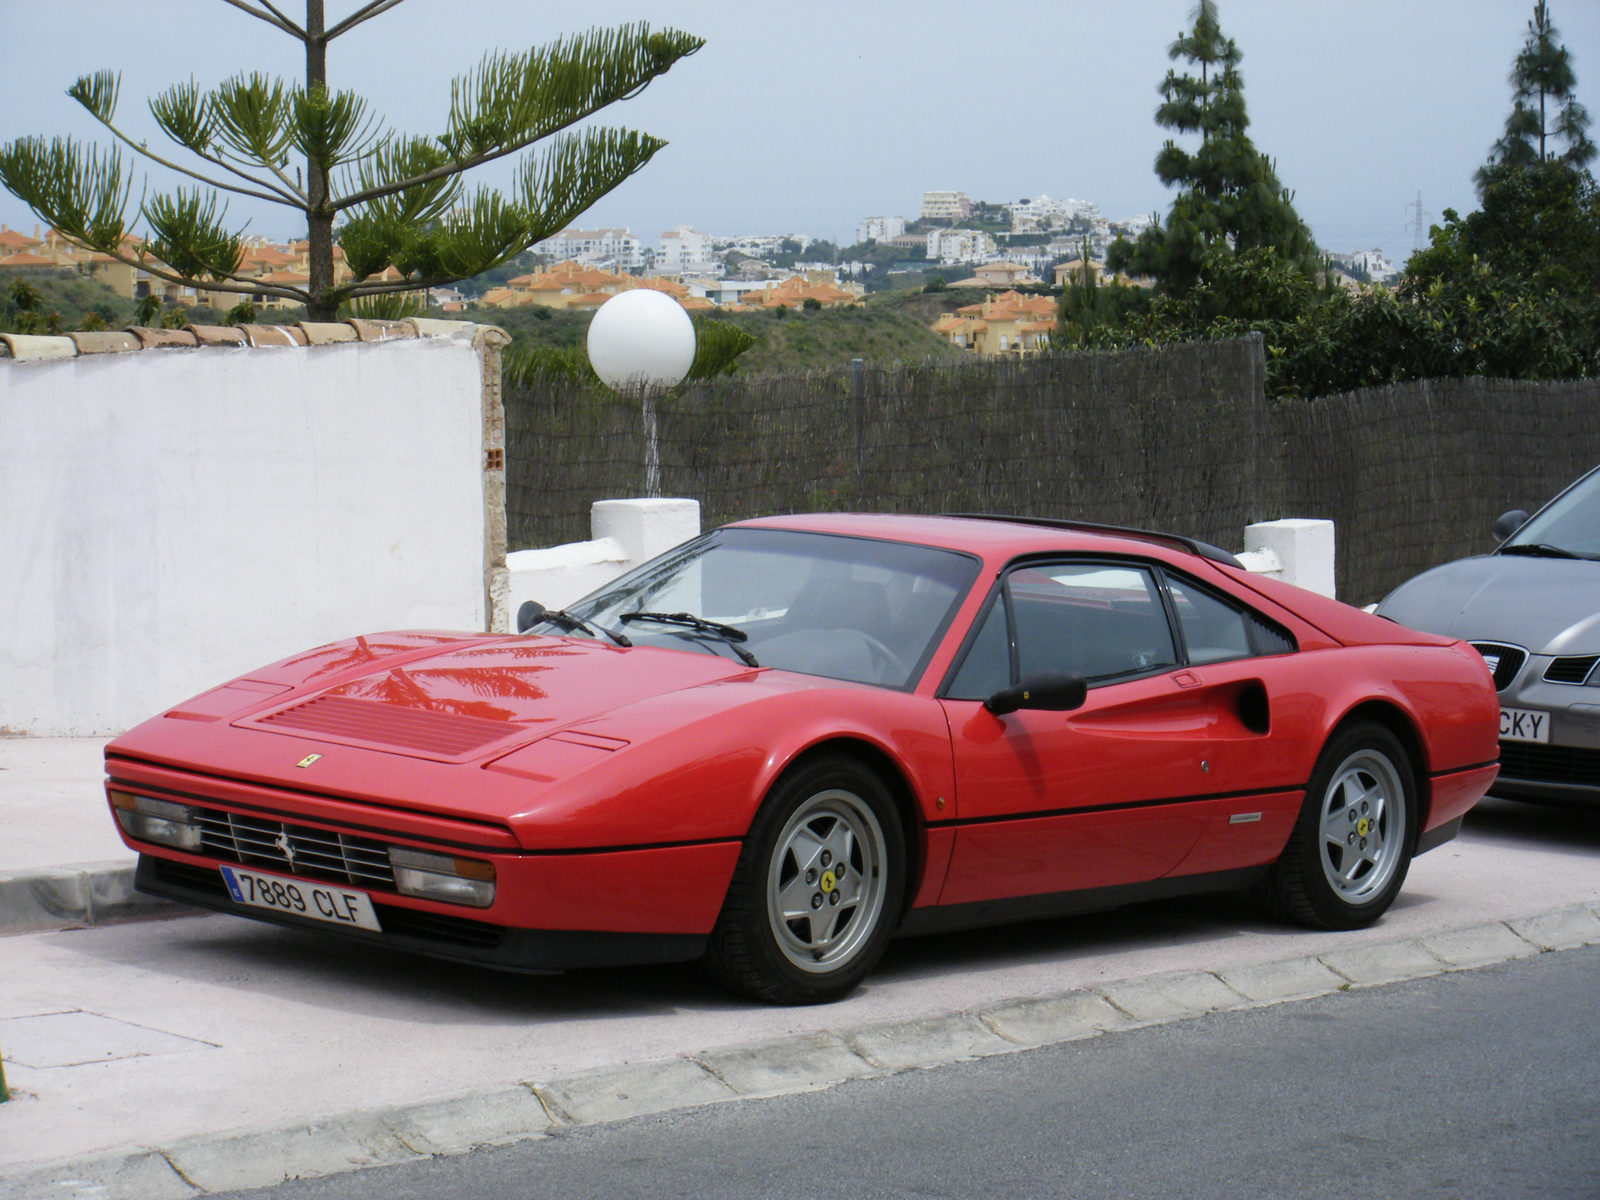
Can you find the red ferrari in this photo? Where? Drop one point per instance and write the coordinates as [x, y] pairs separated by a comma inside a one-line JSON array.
[[781, 744]]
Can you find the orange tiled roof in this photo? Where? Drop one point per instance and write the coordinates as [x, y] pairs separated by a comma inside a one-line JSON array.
[[23, 259], [17, 240], [657, 284]]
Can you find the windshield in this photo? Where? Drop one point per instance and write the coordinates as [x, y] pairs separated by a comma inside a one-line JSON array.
[[840, 607], [1571, 522]]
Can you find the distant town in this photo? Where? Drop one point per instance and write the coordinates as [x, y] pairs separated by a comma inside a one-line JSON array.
[[1019, 250]]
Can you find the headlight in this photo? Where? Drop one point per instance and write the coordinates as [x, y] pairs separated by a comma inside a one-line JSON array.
[[436, 877], [162, 821]]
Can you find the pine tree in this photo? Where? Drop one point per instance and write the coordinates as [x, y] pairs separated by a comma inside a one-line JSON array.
[[397, 200], [1229, 199], [1544, 108]]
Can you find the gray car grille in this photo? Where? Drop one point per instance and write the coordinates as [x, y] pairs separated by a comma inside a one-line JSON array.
[[295, 849], [1504, 661], [1570, 670], [1550, 764]]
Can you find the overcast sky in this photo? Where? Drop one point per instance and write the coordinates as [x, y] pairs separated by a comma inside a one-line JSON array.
[[805, 117]]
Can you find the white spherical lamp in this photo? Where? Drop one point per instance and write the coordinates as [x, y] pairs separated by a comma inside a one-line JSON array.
[[641, 338]]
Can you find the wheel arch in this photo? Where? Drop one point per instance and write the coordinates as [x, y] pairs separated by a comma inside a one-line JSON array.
[[894, 778], [1399, 723]]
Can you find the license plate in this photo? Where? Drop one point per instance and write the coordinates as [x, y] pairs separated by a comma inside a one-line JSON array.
[[1524, 725], [299, 898]]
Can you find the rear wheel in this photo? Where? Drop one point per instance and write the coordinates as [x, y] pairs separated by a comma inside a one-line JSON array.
[[818, 888], [1352, 844]]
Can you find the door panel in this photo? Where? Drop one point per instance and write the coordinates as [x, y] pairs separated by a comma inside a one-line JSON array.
[[1125, 788]]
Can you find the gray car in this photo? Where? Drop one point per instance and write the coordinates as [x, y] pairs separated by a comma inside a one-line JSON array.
[[1532, 609]]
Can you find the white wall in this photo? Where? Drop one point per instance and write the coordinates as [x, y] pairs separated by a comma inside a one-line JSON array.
[[171, 518]]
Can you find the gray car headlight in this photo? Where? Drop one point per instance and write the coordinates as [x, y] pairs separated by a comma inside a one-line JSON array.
[[438, 877], [150, 820]]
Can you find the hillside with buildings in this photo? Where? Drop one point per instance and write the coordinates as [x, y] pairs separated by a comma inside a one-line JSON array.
[[998, 258]]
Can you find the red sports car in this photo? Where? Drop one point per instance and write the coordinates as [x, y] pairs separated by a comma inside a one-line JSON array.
[[779, 745]]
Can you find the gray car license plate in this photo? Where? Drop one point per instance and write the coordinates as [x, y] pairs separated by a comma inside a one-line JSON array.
[[301, 898], [1524, 725]]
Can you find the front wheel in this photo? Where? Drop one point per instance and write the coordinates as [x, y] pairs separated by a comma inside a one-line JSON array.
[[1352, 844], [818, 887]]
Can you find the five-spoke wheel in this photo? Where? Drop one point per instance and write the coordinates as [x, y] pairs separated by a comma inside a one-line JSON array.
[[1352, 845], [818, 888]]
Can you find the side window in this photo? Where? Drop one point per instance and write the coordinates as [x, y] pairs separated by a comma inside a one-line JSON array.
[[1097, 620], [1212, 631], [1215, 630], [987, 667]]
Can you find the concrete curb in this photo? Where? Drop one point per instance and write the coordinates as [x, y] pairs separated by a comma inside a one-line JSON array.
[[261, 1157], [43, 898]]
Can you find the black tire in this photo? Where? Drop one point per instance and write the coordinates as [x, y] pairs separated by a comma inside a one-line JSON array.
[[793, 928], [1352, 843]]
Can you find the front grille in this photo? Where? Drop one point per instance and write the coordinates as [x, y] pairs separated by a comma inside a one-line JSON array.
[[1570, 670], [1550, 764], [295, 849], [1502, 660]]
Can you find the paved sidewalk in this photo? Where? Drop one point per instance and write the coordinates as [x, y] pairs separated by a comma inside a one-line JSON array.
[[208, 1053], [61, 861]]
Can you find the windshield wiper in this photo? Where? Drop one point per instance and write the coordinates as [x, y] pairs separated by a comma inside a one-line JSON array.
[[1540, 550], [574, 624], [726, 632]]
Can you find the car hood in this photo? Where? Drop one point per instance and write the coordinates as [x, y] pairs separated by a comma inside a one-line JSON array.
[[467, 700], [1547, 605]]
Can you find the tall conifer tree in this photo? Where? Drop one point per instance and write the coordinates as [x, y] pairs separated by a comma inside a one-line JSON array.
[[1229, 199], [1544, 108]]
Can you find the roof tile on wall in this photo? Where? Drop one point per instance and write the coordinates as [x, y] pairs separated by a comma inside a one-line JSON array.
[[105, 342], [381, 331], [28, 345], [139, 337], [274, 335], [163, 339], [325, 333], [218, 335]]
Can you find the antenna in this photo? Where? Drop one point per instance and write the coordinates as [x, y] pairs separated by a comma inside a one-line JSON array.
[[1420, 222]]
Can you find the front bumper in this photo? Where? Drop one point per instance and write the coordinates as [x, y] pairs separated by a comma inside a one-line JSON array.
[[1566, 769], [551, 911], [456, 939], [1548, 774]]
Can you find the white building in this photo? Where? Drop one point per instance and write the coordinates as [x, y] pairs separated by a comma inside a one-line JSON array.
[[960, 245], [611, 247], [880, 229], [765, 245], [1378, 268], [685, 250], [1044, 214], [945, 206]]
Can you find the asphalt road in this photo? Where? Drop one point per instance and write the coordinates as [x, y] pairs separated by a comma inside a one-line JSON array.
[[1481, 1083]]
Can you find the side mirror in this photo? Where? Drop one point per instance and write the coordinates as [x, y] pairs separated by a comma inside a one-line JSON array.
[[528, 615], [1052, 691], [1508, 523]]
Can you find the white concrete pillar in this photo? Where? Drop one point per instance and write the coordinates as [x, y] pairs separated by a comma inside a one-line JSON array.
[[626, 533], [645, 527], [1295, 550]]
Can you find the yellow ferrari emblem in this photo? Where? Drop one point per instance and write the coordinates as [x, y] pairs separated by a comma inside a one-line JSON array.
[[1362, 826], [828, 882], [308, 760]]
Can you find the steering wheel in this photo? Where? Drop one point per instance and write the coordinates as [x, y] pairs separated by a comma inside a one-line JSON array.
[[883, 658]]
